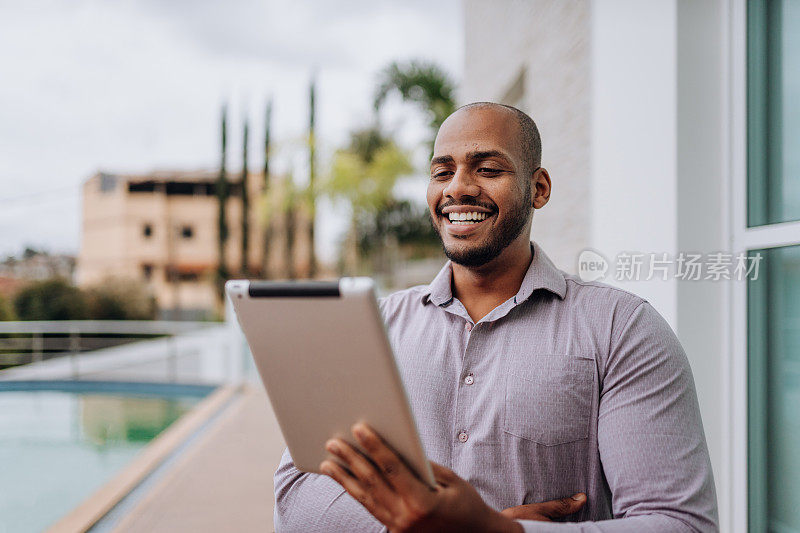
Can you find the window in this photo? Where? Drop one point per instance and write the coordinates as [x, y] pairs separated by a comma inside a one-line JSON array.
[[108, 182], [187, 232], [147, 230], [770, 226], [773, 316], [773, 111], [142, 186]]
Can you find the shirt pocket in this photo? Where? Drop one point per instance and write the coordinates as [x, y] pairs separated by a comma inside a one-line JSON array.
[[549, 399]]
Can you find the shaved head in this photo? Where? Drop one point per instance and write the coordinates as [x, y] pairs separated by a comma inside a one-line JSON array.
[[529, 143]]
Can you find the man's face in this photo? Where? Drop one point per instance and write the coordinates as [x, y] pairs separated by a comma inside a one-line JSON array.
[[477, 172]]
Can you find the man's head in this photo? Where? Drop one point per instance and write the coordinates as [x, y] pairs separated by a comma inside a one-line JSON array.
[[486, 161]]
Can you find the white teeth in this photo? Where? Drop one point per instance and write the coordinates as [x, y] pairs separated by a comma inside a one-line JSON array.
[[467, 218]]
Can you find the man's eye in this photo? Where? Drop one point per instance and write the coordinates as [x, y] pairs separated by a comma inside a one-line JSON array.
[[487, 170], [442, 174]]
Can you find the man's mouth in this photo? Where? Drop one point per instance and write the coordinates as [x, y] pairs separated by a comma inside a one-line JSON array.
[[463, 220], [466, 219]]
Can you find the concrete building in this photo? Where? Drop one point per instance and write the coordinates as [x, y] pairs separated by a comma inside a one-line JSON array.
[[162, 228], [670, 127]]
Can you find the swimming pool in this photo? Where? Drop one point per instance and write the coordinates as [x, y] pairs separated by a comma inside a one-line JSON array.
[[61, 441]]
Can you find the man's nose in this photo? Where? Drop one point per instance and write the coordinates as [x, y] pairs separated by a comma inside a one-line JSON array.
[[462, 184]]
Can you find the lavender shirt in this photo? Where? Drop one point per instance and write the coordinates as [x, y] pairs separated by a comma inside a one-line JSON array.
[[569, 386]]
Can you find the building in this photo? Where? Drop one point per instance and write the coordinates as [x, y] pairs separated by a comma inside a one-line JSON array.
[[162, 228], [671, 127]]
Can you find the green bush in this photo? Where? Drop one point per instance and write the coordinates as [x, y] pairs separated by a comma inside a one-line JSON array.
[[52, 299], [6, 310], [57, 299], [120, 299]]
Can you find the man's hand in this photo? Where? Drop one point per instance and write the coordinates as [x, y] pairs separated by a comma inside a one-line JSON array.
[[547, 511], [385, 486]]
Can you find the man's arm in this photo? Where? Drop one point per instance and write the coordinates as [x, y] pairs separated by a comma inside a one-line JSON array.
[[650, 436], [311, 502]]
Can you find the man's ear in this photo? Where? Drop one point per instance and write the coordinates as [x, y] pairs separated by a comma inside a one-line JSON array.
[[540, 185]]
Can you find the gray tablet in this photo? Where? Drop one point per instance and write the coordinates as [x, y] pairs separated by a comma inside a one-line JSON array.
[[322, 352]]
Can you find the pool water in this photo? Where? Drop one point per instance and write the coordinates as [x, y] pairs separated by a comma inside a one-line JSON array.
[[58, 446]]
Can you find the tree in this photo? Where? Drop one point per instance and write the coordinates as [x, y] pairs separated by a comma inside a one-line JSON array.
[[282, 200], [52, 299], [422, 83], [221, 190], [364, 174], [245, 266], [120, 299], [407, 223], [266, 219], [312, 176], [6, 310]]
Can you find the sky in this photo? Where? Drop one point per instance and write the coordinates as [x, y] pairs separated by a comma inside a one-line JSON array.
[[133, 86]]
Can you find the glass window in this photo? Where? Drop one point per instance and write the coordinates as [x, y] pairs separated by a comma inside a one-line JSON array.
[[773, 315], [773, 111]]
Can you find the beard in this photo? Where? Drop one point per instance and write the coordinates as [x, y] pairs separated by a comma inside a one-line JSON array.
[[509, 229]]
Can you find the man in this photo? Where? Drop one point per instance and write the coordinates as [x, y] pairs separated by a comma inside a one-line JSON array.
[[529, 384]]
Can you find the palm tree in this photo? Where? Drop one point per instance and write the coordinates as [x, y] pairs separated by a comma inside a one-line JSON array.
[[423, 83], [364, 174]]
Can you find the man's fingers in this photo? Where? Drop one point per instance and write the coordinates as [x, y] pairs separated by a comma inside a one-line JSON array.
[[563, 506], [354, 489], [396, 472], [442, 474], [547, 510], [369, 477]]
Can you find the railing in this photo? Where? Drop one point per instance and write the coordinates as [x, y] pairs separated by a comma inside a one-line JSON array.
[[34, 341]]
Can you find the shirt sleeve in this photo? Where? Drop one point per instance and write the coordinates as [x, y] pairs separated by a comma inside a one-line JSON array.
[[650, 436], [316, 503]]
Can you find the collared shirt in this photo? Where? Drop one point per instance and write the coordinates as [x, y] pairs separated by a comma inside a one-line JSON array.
[[568, 386]]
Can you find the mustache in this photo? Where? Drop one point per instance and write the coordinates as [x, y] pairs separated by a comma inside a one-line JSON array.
[[465, 202]]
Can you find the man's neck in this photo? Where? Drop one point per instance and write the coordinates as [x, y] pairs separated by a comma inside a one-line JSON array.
[[481, 289]]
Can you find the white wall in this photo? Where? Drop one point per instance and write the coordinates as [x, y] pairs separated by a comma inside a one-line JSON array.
[[703, 215], [658, 184], [534, 54], [633, 141]]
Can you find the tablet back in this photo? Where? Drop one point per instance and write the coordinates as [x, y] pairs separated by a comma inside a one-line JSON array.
[[322, 352]]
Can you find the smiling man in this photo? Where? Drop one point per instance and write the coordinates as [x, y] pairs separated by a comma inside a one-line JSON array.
[[529, 384]]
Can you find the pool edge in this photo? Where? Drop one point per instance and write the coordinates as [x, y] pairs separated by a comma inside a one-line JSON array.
[[97, 505]]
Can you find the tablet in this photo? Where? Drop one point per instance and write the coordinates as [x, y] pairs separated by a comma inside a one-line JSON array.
[[323, 355]]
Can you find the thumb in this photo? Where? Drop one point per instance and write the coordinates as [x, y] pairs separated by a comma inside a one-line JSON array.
[[564, 506], [442, 474]]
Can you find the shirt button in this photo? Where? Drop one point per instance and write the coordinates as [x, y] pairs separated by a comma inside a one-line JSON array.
[[462, 437], [469, 379], [468, 326]]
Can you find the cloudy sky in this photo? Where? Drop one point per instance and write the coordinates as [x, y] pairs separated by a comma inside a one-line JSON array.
[[137, 85]]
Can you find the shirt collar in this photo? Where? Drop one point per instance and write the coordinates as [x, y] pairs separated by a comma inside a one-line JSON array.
[[541, 274]]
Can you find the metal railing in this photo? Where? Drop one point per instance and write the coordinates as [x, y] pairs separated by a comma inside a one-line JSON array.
[[24, 342]]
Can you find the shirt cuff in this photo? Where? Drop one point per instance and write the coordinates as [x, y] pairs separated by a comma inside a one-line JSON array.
[[537, 526]]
